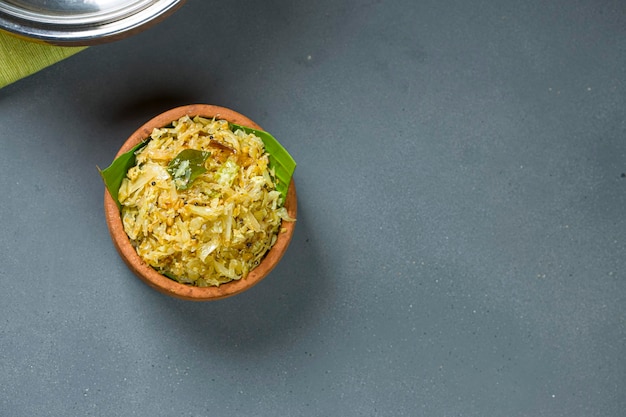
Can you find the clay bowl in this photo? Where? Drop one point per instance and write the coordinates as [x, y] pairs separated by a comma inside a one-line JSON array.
[[160, 282]]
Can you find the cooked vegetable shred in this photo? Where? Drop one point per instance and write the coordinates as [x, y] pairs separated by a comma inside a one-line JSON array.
[[205, 217]]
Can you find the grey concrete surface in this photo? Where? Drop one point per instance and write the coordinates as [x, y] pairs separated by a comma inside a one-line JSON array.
[[461, 240]]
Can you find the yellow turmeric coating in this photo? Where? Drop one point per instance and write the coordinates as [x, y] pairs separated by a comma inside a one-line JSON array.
[[222, 225]]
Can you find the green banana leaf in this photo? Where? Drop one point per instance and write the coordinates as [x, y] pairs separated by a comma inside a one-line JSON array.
[[115, 173], [280, 161]]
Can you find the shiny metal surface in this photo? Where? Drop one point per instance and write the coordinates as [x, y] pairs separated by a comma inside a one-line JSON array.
[[67, 22], [72, 12]]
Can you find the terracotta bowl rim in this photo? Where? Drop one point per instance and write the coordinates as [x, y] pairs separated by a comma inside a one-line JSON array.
[[162, 283]]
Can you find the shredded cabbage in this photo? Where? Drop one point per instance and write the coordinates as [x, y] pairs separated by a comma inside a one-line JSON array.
[[221, 226]]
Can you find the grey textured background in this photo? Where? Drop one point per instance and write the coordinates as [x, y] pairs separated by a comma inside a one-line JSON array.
[[460, 248]]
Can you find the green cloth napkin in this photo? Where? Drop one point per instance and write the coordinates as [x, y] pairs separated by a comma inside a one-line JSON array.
[[20, 58]]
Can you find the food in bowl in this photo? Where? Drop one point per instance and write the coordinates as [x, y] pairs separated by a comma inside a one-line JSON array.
[[203, 201], [200, 205]]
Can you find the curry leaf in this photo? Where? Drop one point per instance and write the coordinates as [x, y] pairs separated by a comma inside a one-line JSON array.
[[280, 160], [187, 166]]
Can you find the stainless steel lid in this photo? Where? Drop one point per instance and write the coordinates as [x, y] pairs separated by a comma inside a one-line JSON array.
[[81, 22]]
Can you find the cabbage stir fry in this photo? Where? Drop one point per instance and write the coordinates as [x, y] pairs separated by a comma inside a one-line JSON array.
[[200, 205]]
